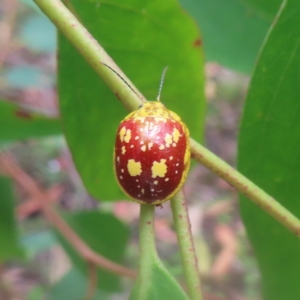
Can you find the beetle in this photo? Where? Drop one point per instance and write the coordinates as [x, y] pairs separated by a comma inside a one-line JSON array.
[[151, 153]]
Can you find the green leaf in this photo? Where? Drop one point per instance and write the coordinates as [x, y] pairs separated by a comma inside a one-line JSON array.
[[16, 123], [269, 154], [9, 245], [142, 37], [73, 286], [104, 234], [233, 30], [157, 284]]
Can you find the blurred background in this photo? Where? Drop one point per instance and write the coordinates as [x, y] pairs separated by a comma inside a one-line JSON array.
[[28, 80]]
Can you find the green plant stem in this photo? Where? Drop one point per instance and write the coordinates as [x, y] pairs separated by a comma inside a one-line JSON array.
[[245, 186], [96, 56], [186, 246], [147, 240], [152, 276], [148, 254], [91, 51]]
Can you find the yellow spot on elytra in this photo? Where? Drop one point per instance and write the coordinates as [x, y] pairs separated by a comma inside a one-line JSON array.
[[176, 135], [122, 170], [122, 133], [143, 191], [161, 147], [134, 167], [123, 150], [137, 137], [150, 145], [171, 157], [159, 169], [143, 148], [118, 158], [174, 144], [131, 146], [167, 179], [155, 182], [168, 140], [162, 119], [127, 137]]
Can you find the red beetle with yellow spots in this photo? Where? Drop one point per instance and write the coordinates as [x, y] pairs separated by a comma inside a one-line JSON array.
[[152, 154]]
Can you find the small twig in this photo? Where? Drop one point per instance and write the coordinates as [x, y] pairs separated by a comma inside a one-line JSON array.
[[28, 184], [147, 247], [225, 236], [93, 53], [92, 281], [186, 246], [245, 186], [33, 205]]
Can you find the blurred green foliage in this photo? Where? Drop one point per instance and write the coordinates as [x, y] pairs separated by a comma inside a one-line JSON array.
[[147, 36]]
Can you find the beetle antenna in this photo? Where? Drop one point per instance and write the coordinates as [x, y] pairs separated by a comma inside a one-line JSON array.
[[161, 83], [121, 78]]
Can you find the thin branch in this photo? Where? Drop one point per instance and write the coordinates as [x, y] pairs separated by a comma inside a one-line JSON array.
[[11, 169], [92, 281], [97, 57], [93, 53], [186, 246], [245, 186], [147, 247], [149, 263], [32, 205]]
